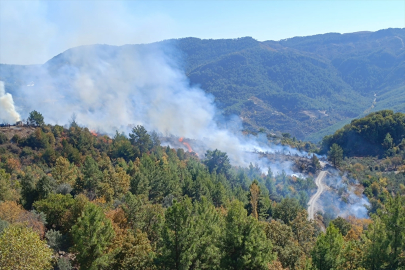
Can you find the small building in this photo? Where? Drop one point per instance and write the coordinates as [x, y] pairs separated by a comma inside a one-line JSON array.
[[19, 124]]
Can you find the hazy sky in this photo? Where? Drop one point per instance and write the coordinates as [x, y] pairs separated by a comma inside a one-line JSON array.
[[32, 32]]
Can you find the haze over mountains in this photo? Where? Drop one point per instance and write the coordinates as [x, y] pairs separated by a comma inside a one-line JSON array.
[[307, 86]]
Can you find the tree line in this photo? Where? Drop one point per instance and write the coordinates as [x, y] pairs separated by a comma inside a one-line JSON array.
[[80, 201]]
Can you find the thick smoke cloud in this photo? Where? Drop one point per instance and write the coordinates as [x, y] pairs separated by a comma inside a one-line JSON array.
[[112, 88], [8, 114]]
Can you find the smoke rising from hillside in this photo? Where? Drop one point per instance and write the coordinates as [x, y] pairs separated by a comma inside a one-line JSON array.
[[342, 199], [8, 114], [112, 88]]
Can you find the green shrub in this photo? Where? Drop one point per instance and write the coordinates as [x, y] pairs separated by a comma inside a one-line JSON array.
[[3, 138]]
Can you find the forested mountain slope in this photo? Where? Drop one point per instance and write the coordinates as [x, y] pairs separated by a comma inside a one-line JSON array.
[[378, 134], [302, 84], [299, 85], [78, 200]]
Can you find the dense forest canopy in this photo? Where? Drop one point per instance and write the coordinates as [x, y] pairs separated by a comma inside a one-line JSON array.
[[79, 200], [378, 133]]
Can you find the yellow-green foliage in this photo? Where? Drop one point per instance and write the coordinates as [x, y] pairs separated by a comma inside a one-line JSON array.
[[21, 248]]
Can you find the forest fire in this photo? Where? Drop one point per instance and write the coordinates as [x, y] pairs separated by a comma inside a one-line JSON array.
[[186, 144], [93, 133]]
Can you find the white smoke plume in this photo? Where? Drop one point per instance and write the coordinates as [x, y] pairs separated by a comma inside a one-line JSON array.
[[8, 113], [341, 199], [111, 88]]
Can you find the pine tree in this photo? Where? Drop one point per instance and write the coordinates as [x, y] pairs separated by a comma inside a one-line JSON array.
[[335, 154], [245, 245], [28, 190], [45, 186], [178, 238], [141, 139], [191, 236], [35, 118], [284, 245], [91, 175], [91, 236], [393, 216], [326, 253], [388, 141], [315, 163], [254, 198], [217, 161], [208, 236], [376, 245]]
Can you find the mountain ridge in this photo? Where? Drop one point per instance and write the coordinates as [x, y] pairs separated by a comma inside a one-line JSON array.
[[300, 85]]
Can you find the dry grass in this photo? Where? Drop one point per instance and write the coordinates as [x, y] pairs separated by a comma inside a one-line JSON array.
[[22, 132]]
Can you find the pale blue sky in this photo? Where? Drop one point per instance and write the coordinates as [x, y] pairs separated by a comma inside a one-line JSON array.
[[34, 31]]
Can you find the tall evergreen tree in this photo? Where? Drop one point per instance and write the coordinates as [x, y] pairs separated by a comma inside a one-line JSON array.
[[217, 161], [178, 236], [28, 190], [35, 118], [245, 244], [326, 253], [376, 245], [91, 235], [140, 138], [335, 154], [45, 186], [254, 198], [91, 175], [393, 216], [191, 236], [284, 245]]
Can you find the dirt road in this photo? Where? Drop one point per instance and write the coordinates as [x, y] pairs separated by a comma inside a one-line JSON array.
[[315, 197]]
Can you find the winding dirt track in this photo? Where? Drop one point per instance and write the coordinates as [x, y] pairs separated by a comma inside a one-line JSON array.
[[315, 197]]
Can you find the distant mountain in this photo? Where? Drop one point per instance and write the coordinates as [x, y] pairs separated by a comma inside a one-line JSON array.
[[307, 86]]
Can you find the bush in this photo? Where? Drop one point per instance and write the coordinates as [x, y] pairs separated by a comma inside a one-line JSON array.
[[3, 138], [16, 139], [3, 225], [27, 151], [287, 210], [64, 189], [64, 264], [56, 240], [13, 149]]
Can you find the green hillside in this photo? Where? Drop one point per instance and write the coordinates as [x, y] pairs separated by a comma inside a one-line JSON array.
[[306, 86], [380, 133], [78, 200]]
